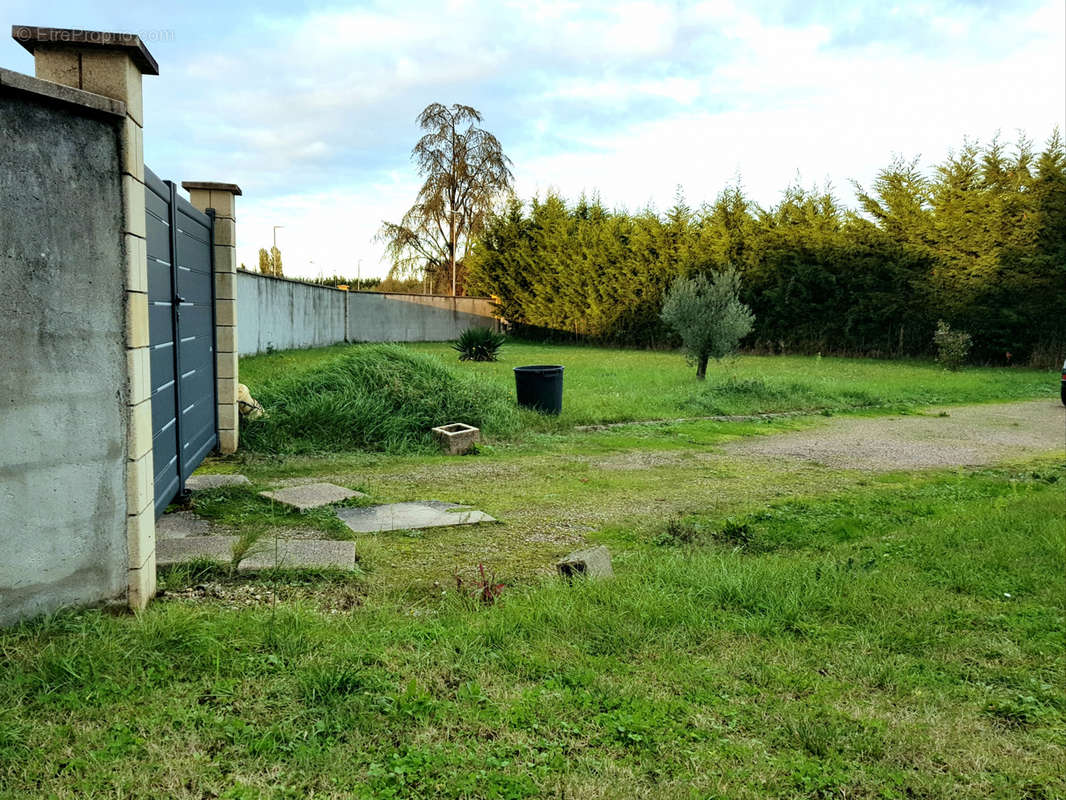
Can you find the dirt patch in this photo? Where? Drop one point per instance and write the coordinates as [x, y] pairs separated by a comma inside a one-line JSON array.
[[954, 436], [233, 595]]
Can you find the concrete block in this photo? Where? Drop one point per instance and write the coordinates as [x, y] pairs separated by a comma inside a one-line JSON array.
[[200, 198], [229, 393], [226, 338], [133, 206], [58, 66], [224, 203], [225, 232], [139, 372], [312, 495], [137, 334], [226, 387], [142, 584], [225, 282], [113, 74], [225, 258], [140, 429], [131, 150], [227, 442], [140, 484], [226, 365], [225, 312], [198, 483], [140, 536], [228, 416], [595, 562], [457, 438], [136, 263]]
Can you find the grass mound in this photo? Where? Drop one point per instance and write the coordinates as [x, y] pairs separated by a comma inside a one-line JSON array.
[[377, 397]]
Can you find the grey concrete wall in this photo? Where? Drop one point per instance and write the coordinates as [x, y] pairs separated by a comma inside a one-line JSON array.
[[62, 355], [375, 317], [284, 315], [274, 313]]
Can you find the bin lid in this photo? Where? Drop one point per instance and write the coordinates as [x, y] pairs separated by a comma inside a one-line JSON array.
[[539, 369]]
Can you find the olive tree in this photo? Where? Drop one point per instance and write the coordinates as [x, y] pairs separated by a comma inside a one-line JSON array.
[[707, 314], [465, 171]]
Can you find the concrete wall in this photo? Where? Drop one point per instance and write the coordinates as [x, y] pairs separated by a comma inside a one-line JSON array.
[[280, 314], [285, 315], [63, 415], [376, 317]]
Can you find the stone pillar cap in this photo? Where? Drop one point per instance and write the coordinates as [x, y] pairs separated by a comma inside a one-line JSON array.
[[211, 186], [31, 37]]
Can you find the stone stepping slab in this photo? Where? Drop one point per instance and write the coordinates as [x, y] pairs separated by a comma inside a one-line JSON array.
[[410, 516], [182, 524], [290, 552], [311, 495], [197, 483]]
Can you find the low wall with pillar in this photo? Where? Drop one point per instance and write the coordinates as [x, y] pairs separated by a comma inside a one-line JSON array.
[[63, 395], [77, 521], [283, 314]]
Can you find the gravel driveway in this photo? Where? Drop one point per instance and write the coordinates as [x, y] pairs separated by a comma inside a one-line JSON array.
[[966, 436]]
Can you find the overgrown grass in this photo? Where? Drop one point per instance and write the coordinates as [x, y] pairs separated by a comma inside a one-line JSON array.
[[375, 397], [603, 385], [899, 641]]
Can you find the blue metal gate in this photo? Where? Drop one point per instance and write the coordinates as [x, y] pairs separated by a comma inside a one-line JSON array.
[[181, 305]]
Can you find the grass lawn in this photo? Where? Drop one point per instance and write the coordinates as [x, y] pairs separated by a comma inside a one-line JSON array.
[[774, 629], [604, 385], [900, 640]]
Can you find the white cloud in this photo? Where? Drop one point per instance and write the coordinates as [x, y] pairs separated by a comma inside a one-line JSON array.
[[628, 100]]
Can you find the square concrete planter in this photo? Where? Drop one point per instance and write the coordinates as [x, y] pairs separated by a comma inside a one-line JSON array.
[[457, 438]]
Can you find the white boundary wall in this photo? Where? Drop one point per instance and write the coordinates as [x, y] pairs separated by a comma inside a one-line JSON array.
[[281, 314]]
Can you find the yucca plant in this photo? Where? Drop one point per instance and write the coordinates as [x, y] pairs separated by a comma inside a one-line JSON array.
[[479, 344]]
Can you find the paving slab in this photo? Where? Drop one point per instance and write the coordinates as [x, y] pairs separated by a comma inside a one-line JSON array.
[[290, 552], [410, 516], [311, 495], [197, 483], [180, 525]]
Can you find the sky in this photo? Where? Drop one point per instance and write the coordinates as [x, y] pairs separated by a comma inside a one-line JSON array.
[[310, 107]]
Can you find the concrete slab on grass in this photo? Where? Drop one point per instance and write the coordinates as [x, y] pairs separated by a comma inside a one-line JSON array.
[[290, 552], [311, 495], [410, 516], [180, 525], [197, 483]]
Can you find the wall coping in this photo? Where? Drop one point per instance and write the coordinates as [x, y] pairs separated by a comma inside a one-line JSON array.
[[16, 82], [32, 37], [211, 186], [358, 291]]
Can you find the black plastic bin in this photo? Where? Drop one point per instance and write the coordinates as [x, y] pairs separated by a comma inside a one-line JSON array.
[[540, 387]]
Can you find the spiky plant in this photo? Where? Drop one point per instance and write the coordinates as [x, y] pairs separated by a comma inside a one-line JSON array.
[[479, 344]]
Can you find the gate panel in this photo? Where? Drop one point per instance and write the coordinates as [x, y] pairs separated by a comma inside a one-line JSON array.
[[161, 339], [181, 329], [194, 286]]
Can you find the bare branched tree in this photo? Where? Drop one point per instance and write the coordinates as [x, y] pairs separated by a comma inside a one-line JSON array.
[[465, 171]]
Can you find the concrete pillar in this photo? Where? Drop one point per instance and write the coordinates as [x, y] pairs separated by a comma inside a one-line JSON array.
[[112, 65], [222, 197]]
